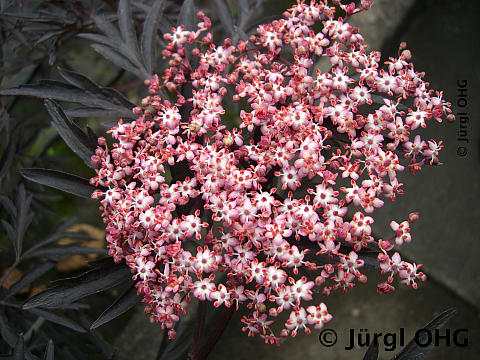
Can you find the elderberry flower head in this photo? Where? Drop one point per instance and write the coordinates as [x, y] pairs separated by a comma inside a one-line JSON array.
[[198, 208]]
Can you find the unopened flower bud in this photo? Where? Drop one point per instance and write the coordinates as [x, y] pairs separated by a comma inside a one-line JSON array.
[[451, 118], [413, 217], [403, 45], [362, 278], [407, 55], [284, 333], [172, 334], [236, 98], [319, 280], [261, 307], [222, 91], [273, 312], [171, 87], [101, 141]]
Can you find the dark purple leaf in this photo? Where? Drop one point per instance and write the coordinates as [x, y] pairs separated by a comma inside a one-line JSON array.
[[126, 25], [85, 83], [121, 305], [243, 11], [120, 60], [69, 290], [29, 277], [150, 25], [49, 351], [59, 252], [19, 349], [59, 180], [107, 351], [372, 352], [58, 319], [23, 218], [107, 28], [8, 205], [73, 136], [8, 333], [52, 237], [225, 15], [7, 156], [49, 89], [412, 351]]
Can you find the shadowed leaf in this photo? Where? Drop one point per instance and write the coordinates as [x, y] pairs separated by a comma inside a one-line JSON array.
[[412, 351], [372, 352], [121, 305], [69, 290], [59, 180], [150, 25], [61, 251], [225, 15], [73, 136], [29, 277], [126, 25], [49, 351], [58, 319]]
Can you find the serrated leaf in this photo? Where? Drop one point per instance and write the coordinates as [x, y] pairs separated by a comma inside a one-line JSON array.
[[49, 351], [23, 218], [49, 89], [8, 205], [58, 319], [150, 25], [11, 233], [69, 290], [61, 251], [187, 15], [372, 352], [7, 332], [73, 136], [59, 231], [225, 15], [85, 83], [29, 277], [126, 25], [119, 60], [243, 11], [412, 351], [95, 112], [121, 305], [59, 180], [107, 28], [107, 351], [7, 156]]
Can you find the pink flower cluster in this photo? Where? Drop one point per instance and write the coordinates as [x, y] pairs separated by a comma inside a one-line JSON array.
[[286, 193]]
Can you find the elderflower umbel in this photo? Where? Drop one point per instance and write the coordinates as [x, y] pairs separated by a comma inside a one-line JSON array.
[[231, 228]]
